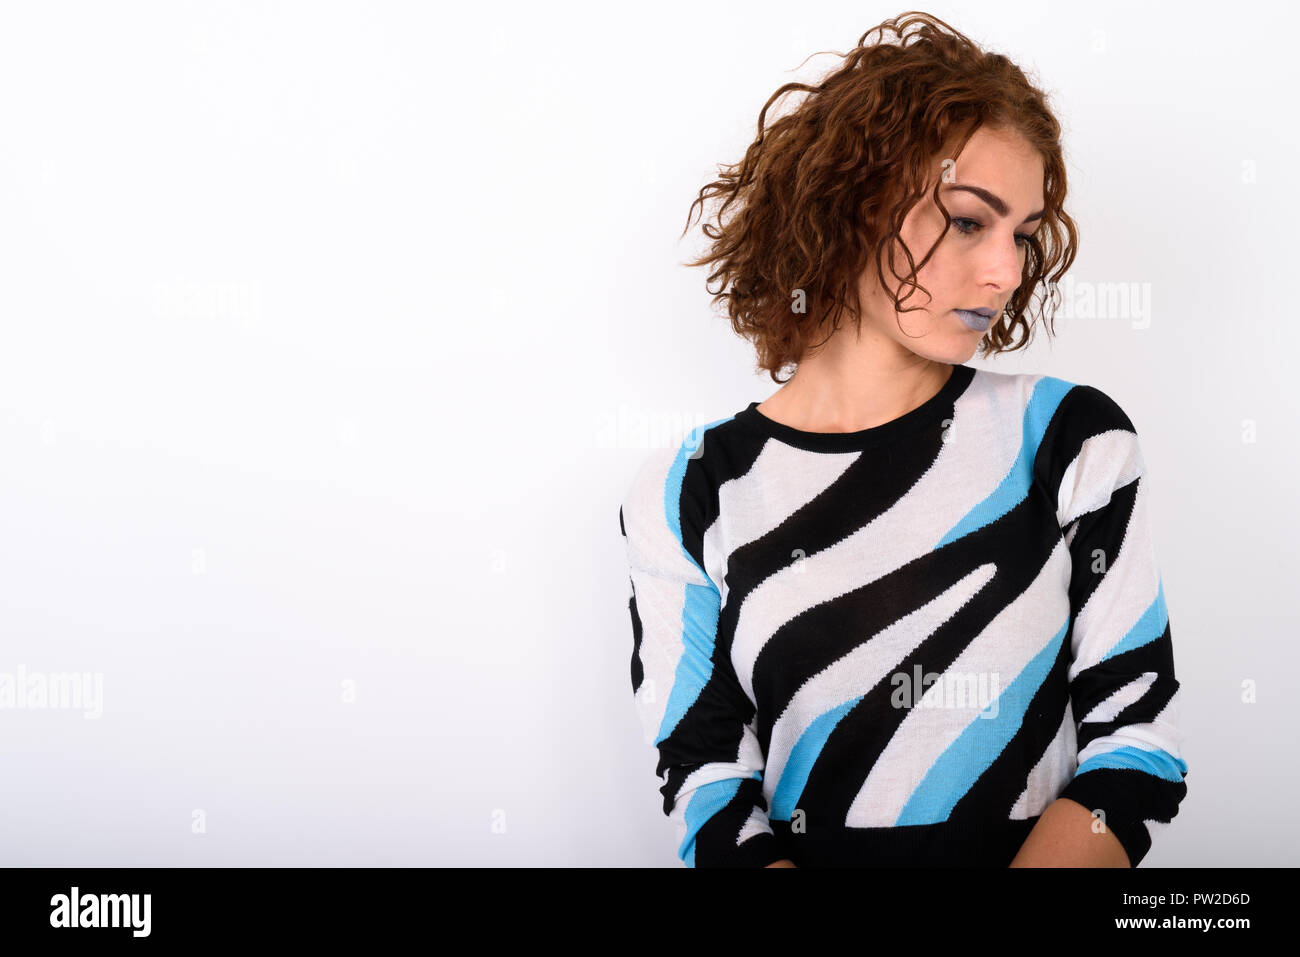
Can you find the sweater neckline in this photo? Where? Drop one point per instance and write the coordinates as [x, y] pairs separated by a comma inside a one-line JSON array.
[[927, 413]]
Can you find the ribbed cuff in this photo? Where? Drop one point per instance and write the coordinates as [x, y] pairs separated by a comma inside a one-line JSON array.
[[1101, 791]]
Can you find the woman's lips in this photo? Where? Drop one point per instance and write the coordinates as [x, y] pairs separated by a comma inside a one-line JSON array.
[[973, 320]]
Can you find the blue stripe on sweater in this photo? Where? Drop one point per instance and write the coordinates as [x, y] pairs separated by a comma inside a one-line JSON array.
[[1148, 628], [1160, 763], [702, 603], [966, 758], [1043, 403]]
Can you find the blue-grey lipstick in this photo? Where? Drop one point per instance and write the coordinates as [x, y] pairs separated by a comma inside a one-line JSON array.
[[974, 320]]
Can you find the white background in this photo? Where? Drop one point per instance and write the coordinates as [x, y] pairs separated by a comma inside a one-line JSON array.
[[327, 328]]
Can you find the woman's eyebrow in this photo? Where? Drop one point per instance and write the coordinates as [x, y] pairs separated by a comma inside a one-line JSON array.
[[999, 207]]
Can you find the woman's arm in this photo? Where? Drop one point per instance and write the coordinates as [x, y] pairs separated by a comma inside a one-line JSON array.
[[1064, 837], [1124, 696]]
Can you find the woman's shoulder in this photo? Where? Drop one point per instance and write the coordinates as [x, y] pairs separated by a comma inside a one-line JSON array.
[[1048, 399]]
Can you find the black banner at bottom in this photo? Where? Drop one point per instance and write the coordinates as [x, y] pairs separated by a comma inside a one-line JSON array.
[[335, 906]]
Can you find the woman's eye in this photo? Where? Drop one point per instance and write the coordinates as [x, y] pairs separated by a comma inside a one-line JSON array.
[[968, 227]]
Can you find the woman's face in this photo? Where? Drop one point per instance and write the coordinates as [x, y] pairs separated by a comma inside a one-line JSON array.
[[994, 194]]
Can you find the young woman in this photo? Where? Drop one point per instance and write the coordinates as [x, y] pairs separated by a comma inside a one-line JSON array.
[[904, 611]]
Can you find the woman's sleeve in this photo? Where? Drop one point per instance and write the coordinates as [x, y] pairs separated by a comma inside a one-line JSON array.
[[687, 698], [1123, 692]]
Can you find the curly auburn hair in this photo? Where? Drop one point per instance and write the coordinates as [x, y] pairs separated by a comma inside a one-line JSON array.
[[815, 197]]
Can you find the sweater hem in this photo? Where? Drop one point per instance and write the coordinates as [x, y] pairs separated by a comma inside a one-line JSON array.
[[945, 844]]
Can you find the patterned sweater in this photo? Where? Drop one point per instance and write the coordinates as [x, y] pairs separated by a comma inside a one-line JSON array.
[[898, 646]]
